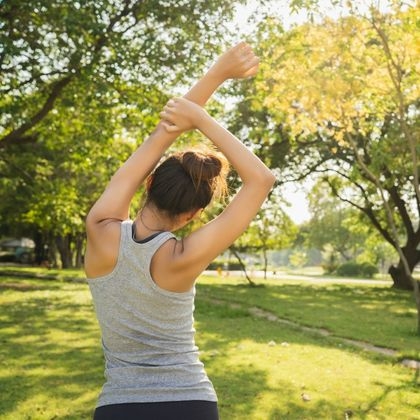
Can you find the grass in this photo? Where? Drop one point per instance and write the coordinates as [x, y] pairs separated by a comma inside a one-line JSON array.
[[373, 313], [51, 365]]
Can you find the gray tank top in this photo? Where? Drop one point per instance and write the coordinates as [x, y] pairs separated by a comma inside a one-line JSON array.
[[147, 332]]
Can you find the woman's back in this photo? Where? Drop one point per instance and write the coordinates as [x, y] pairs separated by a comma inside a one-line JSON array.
[[147, 332]]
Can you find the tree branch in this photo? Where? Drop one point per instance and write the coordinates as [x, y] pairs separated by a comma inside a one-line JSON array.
[[368, 212], [58, 86], [397, 80], [15, 135]]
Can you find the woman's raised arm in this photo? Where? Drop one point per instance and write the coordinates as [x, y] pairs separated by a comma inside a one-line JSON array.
[[112, 207], [199, 248], [114, 203]]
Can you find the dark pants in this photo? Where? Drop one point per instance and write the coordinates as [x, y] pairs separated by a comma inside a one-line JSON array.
[[174, 410]]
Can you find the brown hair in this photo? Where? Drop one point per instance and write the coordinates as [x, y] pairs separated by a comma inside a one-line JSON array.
[[187, 181]]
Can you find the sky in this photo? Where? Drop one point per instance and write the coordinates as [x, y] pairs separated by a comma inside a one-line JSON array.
[[296, 196]]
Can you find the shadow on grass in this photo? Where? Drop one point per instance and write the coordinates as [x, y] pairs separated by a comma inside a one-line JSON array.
[[52, 366], [22, 287], [379, 315], [370, 408], [26, 284], [244, 388]]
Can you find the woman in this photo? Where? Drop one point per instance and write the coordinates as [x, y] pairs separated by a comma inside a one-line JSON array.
[[142, 277]]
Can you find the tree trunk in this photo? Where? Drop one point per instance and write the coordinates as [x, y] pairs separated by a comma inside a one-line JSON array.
[[400, 278], [41, 249], [52, 253], [79, 251], [418, 311], [241, 263], [64, 249], [265, 263]]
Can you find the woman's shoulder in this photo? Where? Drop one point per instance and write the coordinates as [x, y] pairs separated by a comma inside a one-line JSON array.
[[102, 247]]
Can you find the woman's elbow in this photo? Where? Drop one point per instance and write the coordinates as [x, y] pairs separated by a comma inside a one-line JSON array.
[[271, 178], [261, 180], [267, 179]]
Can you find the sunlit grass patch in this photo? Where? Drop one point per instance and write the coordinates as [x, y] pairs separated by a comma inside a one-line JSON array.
[[51, 363], [263, 370], [373, 313], [50, 356]]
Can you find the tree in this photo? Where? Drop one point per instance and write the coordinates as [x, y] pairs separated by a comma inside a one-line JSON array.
[[271, 229], [332, 224], [46, 46], [81, 85], [48, 187], [341, 232], [341, 99]]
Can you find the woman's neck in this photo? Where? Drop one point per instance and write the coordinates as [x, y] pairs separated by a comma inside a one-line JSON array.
[[151, 220]]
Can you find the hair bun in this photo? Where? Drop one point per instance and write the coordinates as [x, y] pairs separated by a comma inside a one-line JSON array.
[[201, 166], [188, 181]]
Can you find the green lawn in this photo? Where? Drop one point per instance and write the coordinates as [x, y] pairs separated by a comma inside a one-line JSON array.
[[52, 366]]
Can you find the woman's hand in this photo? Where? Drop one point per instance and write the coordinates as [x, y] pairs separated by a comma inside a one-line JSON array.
[[239, 62], [180, 114]]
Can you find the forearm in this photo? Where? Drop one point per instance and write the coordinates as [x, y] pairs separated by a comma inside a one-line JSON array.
[[115, 200], [160, 139], [249, 167], [201, 92]]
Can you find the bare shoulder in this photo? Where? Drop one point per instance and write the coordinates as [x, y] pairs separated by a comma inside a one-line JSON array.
[[169, 270], [103, 241]]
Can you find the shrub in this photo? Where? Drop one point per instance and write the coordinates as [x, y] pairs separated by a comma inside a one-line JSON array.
[[354, 269], [350, 268], [329, 268], [225, 265], [369, 270]]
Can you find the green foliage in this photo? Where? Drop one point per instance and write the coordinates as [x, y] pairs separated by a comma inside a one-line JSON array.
[[339, 99], [331, 260], [81, 85], [50, 45], [332, 224], [225, 264], [298, 259], [342, 233], [355, 269]]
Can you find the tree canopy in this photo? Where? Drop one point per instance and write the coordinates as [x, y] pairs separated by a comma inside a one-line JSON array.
[[340, 98], [111, 44], [81, 84]]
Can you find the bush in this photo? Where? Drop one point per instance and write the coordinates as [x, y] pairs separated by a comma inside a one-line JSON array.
[[350, 268], [369, 270], [329, 268], [354, 269], [225, 265]]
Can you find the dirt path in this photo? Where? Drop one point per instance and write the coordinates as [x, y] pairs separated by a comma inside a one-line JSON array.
[[261, 313]]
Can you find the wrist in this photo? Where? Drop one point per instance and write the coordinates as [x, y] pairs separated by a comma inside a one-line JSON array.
[[214, 75], [204, 121]]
